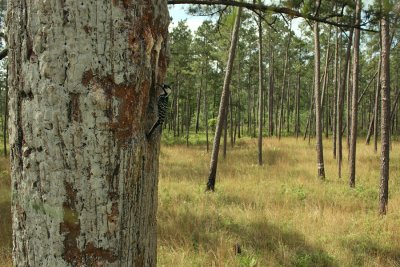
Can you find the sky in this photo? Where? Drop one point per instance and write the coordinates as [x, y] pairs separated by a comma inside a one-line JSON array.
[[178, 13]]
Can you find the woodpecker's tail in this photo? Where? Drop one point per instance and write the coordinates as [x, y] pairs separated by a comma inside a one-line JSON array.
[[153, 129]]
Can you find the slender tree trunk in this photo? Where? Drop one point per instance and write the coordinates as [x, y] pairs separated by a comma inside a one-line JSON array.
[[385, 113], [376, 107], [198, 101], [318, 126], [5, 122], [206, 110], [187, 117], [231, 118], [281, 115], [297, 124], [177, 108], [225, 131], [239, 106], [348, 113], [271, 96], [223, 104], [249, 107], [84, 174], [335, 92], [309, 120], [354, 106], [340, 104], [260, 91]]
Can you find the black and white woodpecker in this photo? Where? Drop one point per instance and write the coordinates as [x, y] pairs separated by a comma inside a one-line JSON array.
[[162, 108]]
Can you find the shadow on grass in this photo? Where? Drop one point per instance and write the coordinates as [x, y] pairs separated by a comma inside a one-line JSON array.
[[288, 247], [266, 242], [363, 249]]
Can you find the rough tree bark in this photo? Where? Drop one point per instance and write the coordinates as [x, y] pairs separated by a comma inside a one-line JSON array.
[[82, 79], [385, 113], [223, 104], [354, 102], [318, 126]]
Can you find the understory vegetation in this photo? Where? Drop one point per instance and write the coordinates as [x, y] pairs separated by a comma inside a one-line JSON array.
[[280, 213]]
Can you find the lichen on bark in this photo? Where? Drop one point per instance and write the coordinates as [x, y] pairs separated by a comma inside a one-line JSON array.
[[82, 81]]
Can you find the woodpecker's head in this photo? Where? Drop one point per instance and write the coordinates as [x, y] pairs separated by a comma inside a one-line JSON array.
[[167, 89]]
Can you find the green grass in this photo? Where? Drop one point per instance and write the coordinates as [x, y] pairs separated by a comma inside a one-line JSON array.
[[281, 214]]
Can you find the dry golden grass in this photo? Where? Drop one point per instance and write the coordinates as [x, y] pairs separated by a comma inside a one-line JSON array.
[[5, 214], [281, 213]]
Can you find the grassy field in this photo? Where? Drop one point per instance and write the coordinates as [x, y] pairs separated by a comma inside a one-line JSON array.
[[280, 213]]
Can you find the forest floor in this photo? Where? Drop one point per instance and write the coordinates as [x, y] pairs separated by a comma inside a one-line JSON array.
[[280, 214]]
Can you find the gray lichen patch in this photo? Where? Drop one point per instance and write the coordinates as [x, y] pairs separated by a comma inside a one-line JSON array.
[[82, 92]]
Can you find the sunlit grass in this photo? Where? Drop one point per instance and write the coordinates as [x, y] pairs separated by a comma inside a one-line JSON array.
[[281, 214]]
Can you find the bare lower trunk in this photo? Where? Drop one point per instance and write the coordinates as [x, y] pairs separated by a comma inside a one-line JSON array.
[[206, 111], [385, 114], [297, 124], [376, 107], [199, 101], [354, 102], [82, 96], [318, 126], [223, 104], [5, 122], [271, 97], [260, 91], [281, 114], [340, 104]]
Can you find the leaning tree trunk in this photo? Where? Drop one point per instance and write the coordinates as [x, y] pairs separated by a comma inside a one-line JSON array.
[[318, 123], [82, 80], [354, 102], [385, 113], [223, 104]]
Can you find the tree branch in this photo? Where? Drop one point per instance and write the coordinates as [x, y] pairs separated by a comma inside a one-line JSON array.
[[266, 8]]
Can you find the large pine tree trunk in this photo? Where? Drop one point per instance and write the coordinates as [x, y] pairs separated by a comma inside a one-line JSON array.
[[318, 123], [223, 104], [82, 82], [354, 102], [385, 113]]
